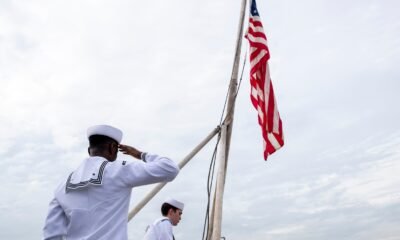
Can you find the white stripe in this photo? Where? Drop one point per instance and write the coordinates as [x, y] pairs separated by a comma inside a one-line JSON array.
[[257, 39], [266, 88], [252, 49], [260, 92], [254, 61], [256, 18], [260, 113], [275, 126], [258, 95], [273, 141], [275, 121], [257, 28], [254, 93]]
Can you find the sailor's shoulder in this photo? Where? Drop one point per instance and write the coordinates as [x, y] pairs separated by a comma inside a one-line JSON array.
[[122, 163], [164, 221]]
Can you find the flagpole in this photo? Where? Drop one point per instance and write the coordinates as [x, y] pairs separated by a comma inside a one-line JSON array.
[[226, 133]]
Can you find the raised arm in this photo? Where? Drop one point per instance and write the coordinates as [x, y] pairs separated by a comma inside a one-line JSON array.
[[153, 169]]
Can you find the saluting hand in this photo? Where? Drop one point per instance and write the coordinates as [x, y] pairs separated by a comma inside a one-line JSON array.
[[125, 149]]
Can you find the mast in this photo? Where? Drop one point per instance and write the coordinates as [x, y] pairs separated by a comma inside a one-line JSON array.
[[226, 133], [215, 217]]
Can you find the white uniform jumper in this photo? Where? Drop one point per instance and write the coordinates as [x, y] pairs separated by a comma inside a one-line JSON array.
[[161, 229], [93, 203]]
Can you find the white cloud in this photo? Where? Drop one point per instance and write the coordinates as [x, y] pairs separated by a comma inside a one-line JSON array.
[[159, 70]]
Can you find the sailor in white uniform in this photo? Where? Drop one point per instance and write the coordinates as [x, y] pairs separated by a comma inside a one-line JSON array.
[[161, 229], [93, 202]]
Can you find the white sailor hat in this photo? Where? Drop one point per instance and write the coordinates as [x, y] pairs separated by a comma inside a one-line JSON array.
[[105, 130], [174, 203]]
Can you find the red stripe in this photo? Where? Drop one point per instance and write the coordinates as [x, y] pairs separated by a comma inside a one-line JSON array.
[[255, 22], [258, 82], [256, 34], [270, 110]]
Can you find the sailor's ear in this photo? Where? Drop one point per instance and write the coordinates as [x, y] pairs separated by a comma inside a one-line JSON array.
[[170, 211], [113, 148]]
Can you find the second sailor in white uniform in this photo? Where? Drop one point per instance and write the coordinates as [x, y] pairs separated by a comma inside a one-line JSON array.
[[161, 229]]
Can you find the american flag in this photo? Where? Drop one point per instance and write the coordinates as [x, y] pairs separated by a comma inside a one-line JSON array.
[[262, 94]]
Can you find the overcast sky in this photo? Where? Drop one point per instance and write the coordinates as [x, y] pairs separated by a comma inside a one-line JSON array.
[[159, 70]]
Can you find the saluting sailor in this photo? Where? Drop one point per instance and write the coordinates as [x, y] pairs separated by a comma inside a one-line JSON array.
[[93, 203], [161, 229]]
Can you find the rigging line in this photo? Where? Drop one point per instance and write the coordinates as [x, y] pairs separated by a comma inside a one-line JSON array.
[[223, 109], [240, 80], [226, 99], [209, 187], [213, 158], [237, 88], [241, 75], [211, 183]]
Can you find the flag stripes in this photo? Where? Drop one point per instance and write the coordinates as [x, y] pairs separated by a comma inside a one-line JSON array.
[[262, 93]]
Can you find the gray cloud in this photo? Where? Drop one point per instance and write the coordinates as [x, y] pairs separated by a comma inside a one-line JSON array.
[[160, 71]]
